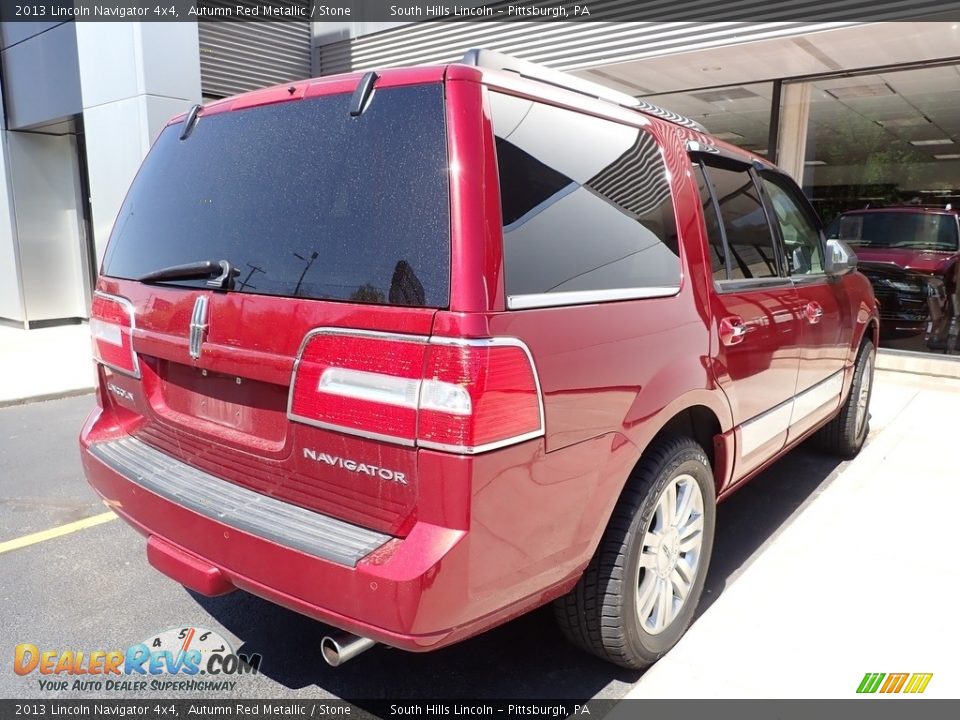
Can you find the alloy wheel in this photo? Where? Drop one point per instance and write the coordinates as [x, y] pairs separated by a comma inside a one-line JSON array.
[[670, 555]]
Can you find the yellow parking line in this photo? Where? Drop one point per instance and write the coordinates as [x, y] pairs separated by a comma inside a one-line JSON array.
[[38, 537]]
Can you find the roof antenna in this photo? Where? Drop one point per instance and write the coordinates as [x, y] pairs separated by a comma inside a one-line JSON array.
[[361, 96], [191, 120]]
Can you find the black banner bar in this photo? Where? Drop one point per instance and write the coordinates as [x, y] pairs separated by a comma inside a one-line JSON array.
[[477, 10], [874, 709]]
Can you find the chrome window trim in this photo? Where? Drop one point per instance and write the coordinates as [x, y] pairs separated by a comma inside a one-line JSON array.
[[748, 284], [531, 301], [427, 340], [804, 279], [128, 306]]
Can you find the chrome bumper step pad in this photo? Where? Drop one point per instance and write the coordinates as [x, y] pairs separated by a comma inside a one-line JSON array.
[[289, 525]]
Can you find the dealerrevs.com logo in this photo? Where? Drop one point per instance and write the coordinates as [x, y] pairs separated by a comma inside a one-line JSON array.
[[187, 658]]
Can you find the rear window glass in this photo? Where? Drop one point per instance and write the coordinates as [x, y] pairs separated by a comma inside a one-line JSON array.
[[302, 198], [913, 230], [586, 202]]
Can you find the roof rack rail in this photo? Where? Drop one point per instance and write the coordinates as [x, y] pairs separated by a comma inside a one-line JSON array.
[[946, 206], [479, 57]]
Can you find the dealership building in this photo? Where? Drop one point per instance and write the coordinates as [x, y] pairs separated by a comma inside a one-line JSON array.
[[860, 112]]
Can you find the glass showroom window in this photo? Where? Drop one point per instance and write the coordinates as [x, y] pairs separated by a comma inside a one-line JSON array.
[[882, 167], [883, 139]]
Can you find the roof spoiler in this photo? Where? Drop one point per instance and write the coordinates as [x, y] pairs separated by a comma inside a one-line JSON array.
[[478, 57]]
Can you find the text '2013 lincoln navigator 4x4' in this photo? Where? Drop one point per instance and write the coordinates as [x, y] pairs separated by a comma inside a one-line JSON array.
[[417, 351]]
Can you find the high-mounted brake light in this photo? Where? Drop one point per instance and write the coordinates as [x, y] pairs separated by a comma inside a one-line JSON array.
[[464, 396], [111, 326]]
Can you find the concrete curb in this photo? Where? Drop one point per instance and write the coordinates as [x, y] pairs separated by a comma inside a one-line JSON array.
[[43, 397], [902, 361], [762, 626]]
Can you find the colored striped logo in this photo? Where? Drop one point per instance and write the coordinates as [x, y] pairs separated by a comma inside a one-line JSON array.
[[894, 682]]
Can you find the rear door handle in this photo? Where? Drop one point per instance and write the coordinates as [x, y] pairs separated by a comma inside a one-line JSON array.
[[813, 312], [732, 330]]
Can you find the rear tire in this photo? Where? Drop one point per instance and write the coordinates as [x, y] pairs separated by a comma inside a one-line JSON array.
[[847, 432], [639, 593]]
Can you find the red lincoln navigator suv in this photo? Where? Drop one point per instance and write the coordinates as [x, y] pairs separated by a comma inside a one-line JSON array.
[[417, 351]]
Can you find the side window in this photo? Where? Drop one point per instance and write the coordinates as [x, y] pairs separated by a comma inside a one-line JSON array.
[[801, 239], [749, 240], [586, 202], [714, 234]]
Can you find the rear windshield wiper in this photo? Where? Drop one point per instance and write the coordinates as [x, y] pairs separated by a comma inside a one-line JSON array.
[[222, 270]]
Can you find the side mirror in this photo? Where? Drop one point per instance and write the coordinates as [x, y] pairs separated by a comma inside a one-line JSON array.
[[841, 258]]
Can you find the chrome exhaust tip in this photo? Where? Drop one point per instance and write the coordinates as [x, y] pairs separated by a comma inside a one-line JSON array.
[[343, 646]]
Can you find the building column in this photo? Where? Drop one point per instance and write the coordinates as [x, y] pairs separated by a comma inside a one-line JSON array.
[[11, 286], [134, 77], [794, 117]]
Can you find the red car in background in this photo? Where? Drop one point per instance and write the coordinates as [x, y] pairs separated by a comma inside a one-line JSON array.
[[912, 256]]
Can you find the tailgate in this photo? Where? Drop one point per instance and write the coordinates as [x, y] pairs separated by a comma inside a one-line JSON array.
[[226, 412], [318, 217]]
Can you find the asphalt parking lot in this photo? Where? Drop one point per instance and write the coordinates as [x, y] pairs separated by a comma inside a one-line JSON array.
[[93, 589]]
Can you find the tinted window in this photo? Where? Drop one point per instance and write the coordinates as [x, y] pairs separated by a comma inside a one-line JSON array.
[[714, 235], [751, 246], [586, 202], [801, 238], [919, 230], [304, 199]]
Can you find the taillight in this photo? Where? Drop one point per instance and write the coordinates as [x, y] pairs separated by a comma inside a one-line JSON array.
[[478, 395], [464, 396], [364, 384], [111, 326]]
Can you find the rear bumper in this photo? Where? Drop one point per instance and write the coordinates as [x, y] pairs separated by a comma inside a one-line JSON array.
[[290, 526], [413, 593]]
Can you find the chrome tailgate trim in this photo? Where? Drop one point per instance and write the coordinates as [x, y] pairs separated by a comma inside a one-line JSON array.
[[289, 525]]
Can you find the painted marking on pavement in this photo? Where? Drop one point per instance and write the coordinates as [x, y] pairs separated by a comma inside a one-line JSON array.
[[38, 537]]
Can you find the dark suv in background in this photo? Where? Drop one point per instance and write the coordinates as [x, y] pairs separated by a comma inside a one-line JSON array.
[[911, 255]]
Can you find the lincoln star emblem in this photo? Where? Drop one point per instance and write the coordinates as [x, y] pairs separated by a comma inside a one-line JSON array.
[[198, 326]]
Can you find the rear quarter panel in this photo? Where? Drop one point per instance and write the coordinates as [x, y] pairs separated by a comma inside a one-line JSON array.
[[612, 375]]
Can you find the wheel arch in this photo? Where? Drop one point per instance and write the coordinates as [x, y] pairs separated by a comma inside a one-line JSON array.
[[702, 414], [872, 332], [702, 418], [698, 418], [697, 422]]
